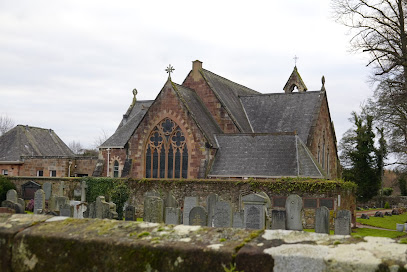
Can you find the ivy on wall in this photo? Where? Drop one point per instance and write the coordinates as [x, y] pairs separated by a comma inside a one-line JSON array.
[[116, 190]]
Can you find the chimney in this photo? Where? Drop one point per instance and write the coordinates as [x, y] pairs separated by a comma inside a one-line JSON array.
[[196, 67]]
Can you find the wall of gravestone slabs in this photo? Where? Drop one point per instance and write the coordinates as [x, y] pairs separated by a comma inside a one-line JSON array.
[[227, 190]]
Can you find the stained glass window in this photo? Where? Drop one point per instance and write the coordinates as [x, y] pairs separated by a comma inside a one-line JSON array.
[[166, 152]]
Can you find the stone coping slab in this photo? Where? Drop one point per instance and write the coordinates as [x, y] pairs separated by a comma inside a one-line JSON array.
[[45, 243]]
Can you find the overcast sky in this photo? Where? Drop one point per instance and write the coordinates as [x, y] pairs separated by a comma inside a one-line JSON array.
[[72, 65]]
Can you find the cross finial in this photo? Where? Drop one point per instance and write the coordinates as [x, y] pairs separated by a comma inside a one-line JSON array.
[[295, 59], [169, 70]]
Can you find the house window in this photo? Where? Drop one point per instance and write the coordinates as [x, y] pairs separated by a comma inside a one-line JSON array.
[[4, 172], [116, 169], [166, 151], [52, 173], [40, 173]]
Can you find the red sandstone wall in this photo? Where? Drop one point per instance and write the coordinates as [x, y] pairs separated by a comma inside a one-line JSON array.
[[168, 105], [211, 102], [118, 154], [324, 127]]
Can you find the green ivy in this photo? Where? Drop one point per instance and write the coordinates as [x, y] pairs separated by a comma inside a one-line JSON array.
[[5, 185], [116, 190]]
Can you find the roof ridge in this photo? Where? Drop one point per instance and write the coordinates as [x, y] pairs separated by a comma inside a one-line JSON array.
[[272, 94], [231, 81]]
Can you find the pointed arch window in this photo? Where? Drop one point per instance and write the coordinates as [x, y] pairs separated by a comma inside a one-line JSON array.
[[166, 151], [116, 169]]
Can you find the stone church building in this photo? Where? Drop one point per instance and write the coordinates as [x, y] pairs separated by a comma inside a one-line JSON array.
[[212, 127]]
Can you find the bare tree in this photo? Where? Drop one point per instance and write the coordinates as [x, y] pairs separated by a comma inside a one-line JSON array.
[[377, 28], [99, 140], [6, 123], [76, 147]]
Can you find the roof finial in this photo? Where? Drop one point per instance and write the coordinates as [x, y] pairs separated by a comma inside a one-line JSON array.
[[134, 94], [295, 60], [169, 70], [323, 83]]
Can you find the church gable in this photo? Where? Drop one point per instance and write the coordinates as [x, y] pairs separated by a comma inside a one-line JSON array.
[[169, 136], [295, 81]]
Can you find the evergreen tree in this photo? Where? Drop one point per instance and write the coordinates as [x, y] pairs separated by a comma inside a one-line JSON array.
[[362, 162]]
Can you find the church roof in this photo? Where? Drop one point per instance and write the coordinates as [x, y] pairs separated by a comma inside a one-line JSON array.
[[263, 156], [228, 93], [199, 112], [31, 141], [283, 112], [128, 125]]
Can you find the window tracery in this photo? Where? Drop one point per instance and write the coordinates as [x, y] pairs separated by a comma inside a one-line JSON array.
[[166, 151]]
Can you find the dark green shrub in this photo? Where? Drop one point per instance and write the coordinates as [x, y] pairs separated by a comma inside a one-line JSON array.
[[402, 185], [387, 205], [5, 185], [387, 191]]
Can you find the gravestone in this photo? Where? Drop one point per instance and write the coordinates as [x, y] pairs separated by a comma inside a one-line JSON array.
[[278, 219], [293, 208], [102, 208], [21, 202], [222, 215], [151, 193], [364, 216], [39, 201], [387, 214], [322, 220], [238, 220], [170, 200], [378, 214], [65, 210], [47, 187], [342, 222], [254, 211], [83, 191], [79, 210], [130, 213], [12, 205], [91, 211], [268, 208], [61, 188], [112, 214], [12, 195], [56, 202], [172, 216], [153, 209], [198, 216], [28, 189], [189, 203], [211, 200]]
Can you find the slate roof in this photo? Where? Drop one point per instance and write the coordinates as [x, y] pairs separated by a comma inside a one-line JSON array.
[[123, 133], [283, 112], [31, 141], [199, 113], [228, 93], [263, 156]]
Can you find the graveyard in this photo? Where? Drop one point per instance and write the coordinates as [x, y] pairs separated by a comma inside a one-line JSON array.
[[173, 226]]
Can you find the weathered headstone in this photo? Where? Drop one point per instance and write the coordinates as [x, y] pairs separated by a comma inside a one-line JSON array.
[[83, 191], [151, 193], [130, 213], [293, 208], [254, 211], [12, 205], [278, 219], [342, 222], [172, 216], [21, 202], [79, 210], [56, 202], [198, 216], [112, 214], [170, 200], [47, 187], [153, 209], [91, 211], [322, 220], [210, 205], [12, 195], [65, 210], [102, 208], [28, 189], [189, 203], [222, 215], [39, 201], [238, 219]]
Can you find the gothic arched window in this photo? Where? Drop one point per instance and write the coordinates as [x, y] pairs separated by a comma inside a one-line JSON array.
[[166, 151], [116, 169]]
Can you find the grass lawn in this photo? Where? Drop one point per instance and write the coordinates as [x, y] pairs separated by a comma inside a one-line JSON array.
[[362, 232], [387, 222], [377, 233]]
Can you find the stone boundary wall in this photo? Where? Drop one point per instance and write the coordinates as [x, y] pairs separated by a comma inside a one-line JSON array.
[[378, 200], [46, 243], [228, 190]]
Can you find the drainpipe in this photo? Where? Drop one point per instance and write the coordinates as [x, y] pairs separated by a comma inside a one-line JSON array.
[[69, 169], [108, 160]]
